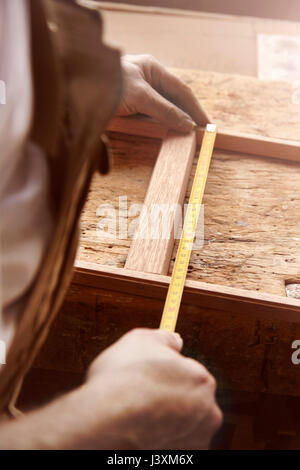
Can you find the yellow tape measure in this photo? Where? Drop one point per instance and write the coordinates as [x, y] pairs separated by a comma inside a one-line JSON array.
[[173, 300]]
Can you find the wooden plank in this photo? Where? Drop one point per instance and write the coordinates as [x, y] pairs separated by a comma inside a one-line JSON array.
[[227, 299], [256, 145], [144, 127], [226, 139], [151, 249]]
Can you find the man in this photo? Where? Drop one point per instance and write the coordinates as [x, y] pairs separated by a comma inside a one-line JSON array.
[[141, 392]]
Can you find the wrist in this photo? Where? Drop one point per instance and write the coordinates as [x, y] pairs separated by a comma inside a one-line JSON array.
[[101, 418]]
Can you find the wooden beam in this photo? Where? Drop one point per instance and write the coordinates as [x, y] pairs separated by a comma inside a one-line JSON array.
[[256, 145], [153, 286], [151, 250], [232, 141], [142, 126]]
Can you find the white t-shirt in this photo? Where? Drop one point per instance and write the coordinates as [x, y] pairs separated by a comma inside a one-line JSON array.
[[25, 220]]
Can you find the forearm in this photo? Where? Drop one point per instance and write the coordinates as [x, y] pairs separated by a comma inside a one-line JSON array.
[[69, 422]]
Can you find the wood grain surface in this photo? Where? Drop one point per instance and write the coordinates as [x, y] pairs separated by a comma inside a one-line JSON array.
[[252, 205], [153, 241]]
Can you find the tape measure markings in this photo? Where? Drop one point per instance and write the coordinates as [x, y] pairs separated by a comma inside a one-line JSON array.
[[175, 291]]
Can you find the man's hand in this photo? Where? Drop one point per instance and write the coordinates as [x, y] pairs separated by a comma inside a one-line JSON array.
[[140, 393], [151, 89], [165, 400]]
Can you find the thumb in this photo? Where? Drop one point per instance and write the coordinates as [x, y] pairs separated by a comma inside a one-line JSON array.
[[172, 340], [159, 108]]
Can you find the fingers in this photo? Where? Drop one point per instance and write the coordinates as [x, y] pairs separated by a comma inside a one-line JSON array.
[[178, 92], [172, 340], [153, 90], [159, 108], [183, 97]]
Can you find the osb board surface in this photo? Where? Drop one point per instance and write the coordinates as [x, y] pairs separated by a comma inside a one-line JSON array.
[[252, 205], [132, 164], [246, 104], [252, 224]]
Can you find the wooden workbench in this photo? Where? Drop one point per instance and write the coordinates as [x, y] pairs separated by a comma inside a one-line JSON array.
[[252, 240]]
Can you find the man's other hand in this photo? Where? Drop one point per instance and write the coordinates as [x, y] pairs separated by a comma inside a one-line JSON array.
[[149, 88]]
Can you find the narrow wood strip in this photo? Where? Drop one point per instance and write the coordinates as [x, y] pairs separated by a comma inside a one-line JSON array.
[[151, 251], [256, 145], [226, 140], [205, 295], [144, 127]]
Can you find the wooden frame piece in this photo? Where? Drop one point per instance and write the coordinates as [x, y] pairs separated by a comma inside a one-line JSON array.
[[196, 293], [151, 253], [137, 278], [232, 141]]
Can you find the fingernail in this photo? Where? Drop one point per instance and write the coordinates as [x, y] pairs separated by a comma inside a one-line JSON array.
[[177, 335], [187, 125], [178, 339]]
